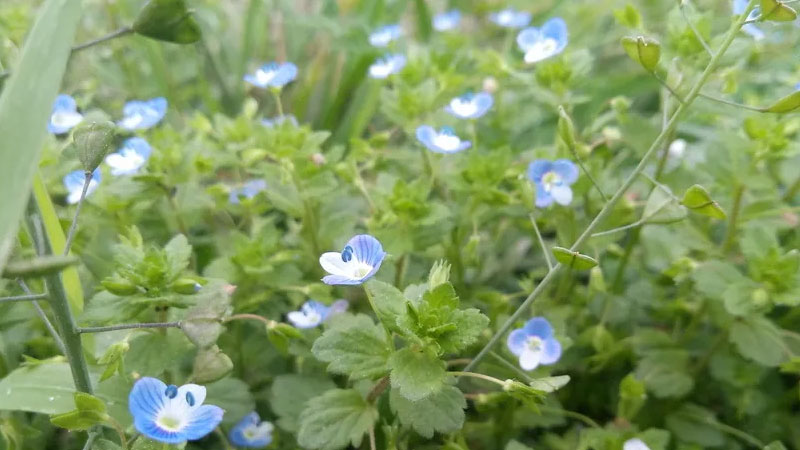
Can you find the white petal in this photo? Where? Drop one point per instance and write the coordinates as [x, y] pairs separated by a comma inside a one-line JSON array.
[[333, 264], [635, 444], [529, 359], [301, 320], [562, 194], [198, 392]]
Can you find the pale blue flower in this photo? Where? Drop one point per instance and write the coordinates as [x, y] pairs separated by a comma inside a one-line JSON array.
[[542, 43], [447, 20], [470, 106], [534, 344], [74, 181], [251, 432], [172, 414], [387, 65], [248, 190], [272, 75], [65, 115], [635, 444], [384, 35], [143, 114], [358, 261], [313, 313], [797, 87], [739, 6], [511, 18], [442, 141], [279, 120], [133, 154], [553, 181]]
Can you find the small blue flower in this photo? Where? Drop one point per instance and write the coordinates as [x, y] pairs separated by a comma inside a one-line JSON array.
[[470, 106], [447, 20], [443, 141], [797, 87], [739, 6], [172, 414], [357, 263], [313, 313], [249, 189], [143, 114], [511, 18], [279, 120], [635, 444], [133, 154], [541, 43], [387, 65], [272, 75], [534, 344], [73, 181], [553, 181], [65, 115], [251, 432], [384, 35]]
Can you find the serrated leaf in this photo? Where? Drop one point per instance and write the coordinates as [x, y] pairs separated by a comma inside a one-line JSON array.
[[468, 324], [357, 349], [549, 384], [388, 300], [335, 419], [289, 393], [416, 374], [786, 104], [572, 259], [758, 339], [775, 11], [699, 200], [442, 412], [178, 252], [167, 20]]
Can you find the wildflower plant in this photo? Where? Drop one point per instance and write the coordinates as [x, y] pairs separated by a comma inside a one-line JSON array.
[[600, 256]]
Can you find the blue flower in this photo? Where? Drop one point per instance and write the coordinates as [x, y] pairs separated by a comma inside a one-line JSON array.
[[272, 75], [73, 181], [553, 181], [279, 120], [541, 43], [739, 6], [143, 114], [443, 141], [635, 444], [534, 344], [251, 432], [511, 18], [172, 414], [447, 20], [387, 65], [65, 115], [130, 157], [249, 189], [384, 35], [358, 262], [313, 313], [797, 87], [470, 106]]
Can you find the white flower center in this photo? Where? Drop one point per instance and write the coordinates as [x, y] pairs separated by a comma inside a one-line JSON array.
[[446, 142], [361, 269], [551, 180], [381, 69], [541, 49], [463, 107], [66, 119], [265, 77], [169, 422], [534, 344]]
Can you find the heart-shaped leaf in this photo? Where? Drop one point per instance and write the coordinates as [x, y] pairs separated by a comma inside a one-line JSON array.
[[698, 200]]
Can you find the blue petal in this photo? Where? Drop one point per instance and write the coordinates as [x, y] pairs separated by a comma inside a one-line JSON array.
[[146, 399], [238, 437], [139, 145], [447, 20], [367, 249], [551, 351], [340, 280], [373, 271], [74, 180], [556, 29], [739, 6], [425, 135], [64, 103], [252, 187], [528, 37], [315, 306], [516, 341], [543, 198], [151, 430], [204, 420], [484, 100], [754, 31], [286, 73], [250, 78], [566, 169], [539, 327], [538, 168]]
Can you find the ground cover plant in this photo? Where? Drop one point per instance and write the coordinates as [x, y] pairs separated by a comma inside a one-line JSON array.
[[399, 224]]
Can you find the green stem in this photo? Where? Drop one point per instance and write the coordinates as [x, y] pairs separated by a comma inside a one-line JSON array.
[[545, 250], [120, 432], [792, 190], [22, 298], [477, 375], [40, 312], [115, 34], [128, 326], [74, 225], [380, 319], [278, 104], [699, 37], [512, 367], [609, 207], [567, 413], [730, 234], [400, 270]]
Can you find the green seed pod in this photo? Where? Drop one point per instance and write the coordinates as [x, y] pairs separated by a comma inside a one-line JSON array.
[[119, 286], [185, 286], [93, 142], [210, 365], [566, 129]]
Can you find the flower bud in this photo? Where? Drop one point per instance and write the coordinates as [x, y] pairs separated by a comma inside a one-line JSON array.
[[93, 141], [119, 286], [566, 129], [440, 274], [185, 286]]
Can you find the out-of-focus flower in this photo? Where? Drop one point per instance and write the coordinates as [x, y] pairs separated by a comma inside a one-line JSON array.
[[553, 180], [442, 141], [313, 313], [143, 114], [272, 75], [387, 65], [511, 18], [65, 115], [384, 35], [251, 432], [470, 106], [447, 20], [133, 154], [541, 43], [74, 181]]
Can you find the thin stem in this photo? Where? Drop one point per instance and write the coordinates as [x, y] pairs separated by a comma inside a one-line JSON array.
[[669, 88], [567, 413], [90, 439], [703, 42], [541, 242], [375, 310], [266, 321], [512, 367], [586, 171], [730, 234], [74, 225], [476, 375], [729, 103], [372, 437], [43, 316], [792, 190], [120, 432], [22, 298], [400, 270], [128, 326], [618, 229], [735, 432], [609, 207], [278, 104], [227, 98], [115, 34], [223, 438]]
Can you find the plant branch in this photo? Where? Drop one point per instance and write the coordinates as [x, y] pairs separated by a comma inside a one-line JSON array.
[[477, 375], [697, 34], [43, 316], [266, 321], [128, 326], [730, 103], [22, 298], [541, 242], [572, 414], [74, 225], [115, 34], [730, 234], [609, 206]]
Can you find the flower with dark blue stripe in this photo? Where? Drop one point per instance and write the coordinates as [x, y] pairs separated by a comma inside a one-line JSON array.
[[511, 18], [447, 20], [251, 432], [272, 75], [143, 114], [442, 141], [172, 414], [313, 313], [541, 43], [534, 344], [356, 263], [133, 154], [74, 181], [553, 180], [65, 115], [470, 106]]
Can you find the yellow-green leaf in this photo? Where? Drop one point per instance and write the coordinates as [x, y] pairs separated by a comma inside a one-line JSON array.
[[776, 11], [573, 259], [699, 200], [644, 50], [786, 104]]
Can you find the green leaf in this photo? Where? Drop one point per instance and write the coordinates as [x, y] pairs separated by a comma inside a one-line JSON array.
[[662, 207], [289, 393], [88, 402], [416, 374], [572, 259], [468, 326], [786, 104], [629, 16], [777, 445], [759, 340], [698, 200], [210, 365], [775, 11], [178, 252], [389, 302], [632, 396], [357, 349], [712, 278], [77, 420], [336, 419], [549, 384], [26, 102], [442, 412], [691, 423], [167, 20], [105, 444], [232, 395], [644, 50]]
